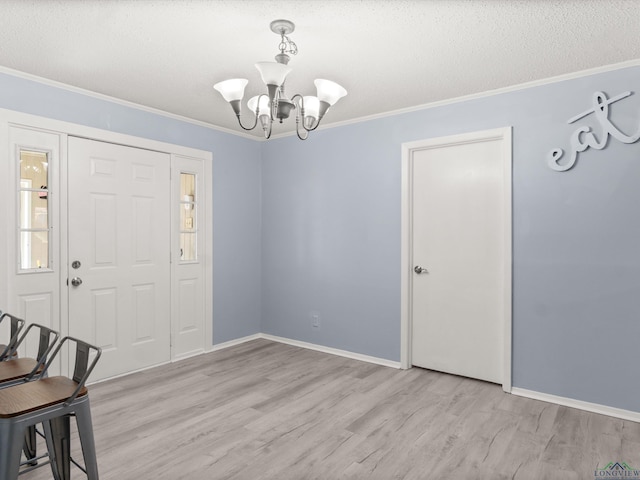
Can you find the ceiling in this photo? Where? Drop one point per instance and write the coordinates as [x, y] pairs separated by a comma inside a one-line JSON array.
[[389, 55]]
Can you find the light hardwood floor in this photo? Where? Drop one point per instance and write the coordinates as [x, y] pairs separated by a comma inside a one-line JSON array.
[[264, 410]]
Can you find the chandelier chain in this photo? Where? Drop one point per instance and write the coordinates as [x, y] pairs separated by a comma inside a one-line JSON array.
[[287, 45]]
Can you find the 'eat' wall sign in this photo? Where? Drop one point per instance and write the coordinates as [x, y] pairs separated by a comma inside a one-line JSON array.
[[584, 137]]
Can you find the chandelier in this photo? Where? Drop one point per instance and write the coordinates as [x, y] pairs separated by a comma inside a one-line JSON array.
[[274, 104]]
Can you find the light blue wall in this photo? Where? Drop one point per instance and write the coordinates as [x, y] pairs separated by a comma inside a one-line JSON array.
[[236, 188], [331, 237], [314, 226]]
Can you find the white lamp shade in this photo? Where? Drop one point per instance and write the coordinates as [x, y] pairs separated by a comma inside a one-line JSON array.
[[273, 73], [311, 106], [264, 105], [232, 89], [329, 91]]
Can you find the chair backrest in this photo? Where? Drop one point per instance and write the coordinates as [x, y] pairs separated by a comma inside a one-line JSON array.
[[46, 340], [82, 367], [16, 325]]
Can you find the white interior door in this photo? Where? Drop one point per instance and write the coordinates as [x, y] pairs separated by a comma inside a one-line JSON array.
[[119, 233], [459, 239]]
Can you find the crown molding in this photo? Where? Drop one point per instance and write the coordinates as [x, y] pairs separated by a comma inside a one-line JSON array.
[[119, 101], [366, 118], [475, 96]]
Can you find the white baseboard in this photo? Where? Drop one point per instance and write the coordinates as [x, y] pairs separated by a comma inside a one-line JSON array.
[[521, 392], [184, 356], [333, 351], [310, 346], [237, 341], [579, 404], [120, 375]]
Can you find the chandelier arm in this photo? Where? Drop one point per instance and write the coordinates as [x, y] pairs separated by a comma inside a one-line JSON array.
[[299, 105], [255, 121], [235, 104], [274, 103], [267, 134], [300, 112], [312, 129], [247, 128], [306, 132]]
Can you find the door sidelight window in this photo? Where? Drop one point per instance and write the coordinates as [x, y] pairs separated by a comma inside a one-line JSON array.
[[188, 218], [34, 213]]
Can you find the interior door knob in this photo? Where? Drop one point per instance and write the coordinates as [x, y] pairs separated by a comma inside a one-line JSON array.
[[418, 269], [76, 281]]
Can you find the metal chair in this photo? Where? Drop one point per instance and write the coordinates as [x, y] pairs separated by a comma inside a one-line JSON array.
[[50, 401], [19, 370], [16, 326]]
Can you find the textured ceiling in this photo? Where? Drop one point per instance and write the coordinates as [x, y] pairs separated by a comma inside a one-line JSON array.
[[389, 54]]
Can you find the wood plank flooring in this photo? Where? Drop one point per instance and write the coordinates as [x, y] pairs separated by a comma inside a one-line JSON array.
[[264, 410]]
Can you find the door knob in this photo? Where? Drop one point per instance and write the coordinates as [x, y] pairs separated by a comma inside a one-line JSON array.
[[76, 281], [418, 269]]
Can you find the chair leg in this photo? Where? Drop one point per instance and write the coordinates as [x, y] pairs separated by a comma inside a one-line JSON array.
[[48, 437], [11, 435], [29, 447], [85, 432], [61, 444]]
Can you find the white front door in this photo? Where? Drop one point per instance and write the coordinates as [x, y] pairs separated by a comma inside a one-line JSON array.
[[119, 249], [460, 256]]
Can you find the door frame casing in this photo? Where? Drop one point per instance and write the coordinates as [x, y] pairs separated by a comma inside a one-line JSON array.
[[408, 149], [64, 130]]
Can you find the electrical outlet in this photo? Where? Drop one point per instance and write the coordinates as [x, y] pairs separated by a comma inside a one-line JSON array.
[[315, 319]]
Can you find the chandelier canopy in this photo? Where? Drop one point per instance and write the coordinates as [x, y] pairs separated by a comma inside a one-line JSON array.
[[274, 104]]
